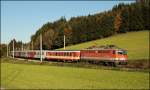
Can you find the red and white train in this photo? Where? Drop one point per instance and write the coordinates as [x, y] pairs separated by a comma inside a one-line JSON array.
[[103, 55]]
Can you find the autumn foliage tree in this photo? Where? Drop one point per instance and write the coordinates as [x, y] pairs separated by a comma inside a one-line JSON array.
[[48, 38], [117, 22]]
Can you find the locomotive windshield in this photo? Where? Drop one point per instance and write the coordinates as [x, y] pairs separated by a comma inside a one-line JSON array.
[[122, 52]]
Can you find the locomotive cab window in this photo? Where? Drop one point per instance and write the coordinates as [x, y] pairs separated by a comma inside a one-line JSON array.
[[122, 52], [125, 52]]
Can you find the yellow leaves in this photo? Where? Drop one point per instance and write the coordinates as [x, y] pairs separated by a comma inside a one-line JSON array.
[[118, 21], [68, 31]]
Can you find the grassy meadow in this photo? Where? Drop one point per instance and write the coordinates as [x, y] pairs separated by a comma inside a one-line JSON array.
[[25, 76], [136, 43]]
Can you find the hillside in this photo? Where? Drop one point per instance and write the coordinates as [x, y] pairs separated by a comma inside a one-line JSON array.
[[136, 43]]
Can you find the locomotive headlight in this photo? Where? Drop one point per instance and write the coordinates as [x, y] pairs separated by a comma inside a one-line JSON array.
[[117, 58]]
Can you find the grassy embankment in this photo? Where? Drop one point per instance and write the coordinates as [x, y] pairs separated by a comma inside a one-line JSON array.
[[137, 44]]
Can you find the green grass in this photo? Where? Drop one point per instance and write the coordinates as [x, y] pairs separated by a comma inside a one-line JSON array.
[[25, 76], [137, 44]]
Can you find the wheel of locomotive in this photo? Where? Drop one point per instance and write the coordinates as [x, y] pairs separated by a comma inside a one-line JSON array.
[[110, 63], [90, 62], [105, 63], [114, 64]]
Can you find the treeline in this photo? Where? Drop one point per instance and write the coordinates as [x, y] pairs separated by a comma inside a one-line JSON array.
[[121, 19]]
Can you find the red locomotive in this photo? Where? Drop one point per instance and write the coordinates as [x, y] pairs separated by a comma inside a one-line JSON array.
[[105, 55]]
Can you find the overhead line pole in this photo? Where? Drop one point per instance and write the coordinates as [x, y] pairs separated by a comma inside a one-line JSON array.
[[22, 46], [32, 45], [13, 48], [64, 42], [7, 50], [41, 47]]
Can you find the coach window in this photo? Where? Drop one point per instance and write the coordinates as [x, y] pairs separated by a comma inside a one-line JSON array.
[[70, 53], [114, 52], [67, 54], [64, 53], [56, 53]]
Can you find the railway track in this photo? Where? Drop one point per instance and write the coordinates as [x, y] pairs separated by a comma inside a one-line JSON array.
[[133, 65]]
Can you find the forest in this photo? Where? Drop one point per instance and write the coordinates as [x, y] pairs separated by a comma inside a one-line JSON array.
[[121, 18]]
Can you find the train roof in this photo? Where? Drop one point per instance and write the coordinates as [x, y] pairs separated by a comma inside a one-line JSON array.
[[63, 50], [71, 50], [104, 49], [50, 50]]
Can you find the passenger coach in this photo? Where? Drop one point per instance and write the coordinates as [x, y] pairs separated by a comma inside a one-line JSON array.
[[63, 55]]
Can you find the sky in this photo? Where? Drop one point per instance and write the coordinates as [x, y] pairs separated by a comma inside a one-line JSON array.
[[21, 19]]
